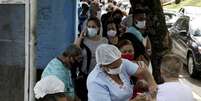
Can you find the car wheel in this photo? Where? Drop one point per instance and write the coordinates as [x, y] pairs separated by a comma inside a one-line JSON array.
[[191, 66]]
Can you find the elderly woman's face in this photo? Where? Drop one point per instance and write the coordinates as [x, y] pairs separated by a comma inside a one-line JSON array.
[[127, 49]]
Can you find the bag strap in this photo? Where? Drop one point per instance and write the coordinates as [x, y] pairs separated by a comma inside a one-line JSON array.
[[89, 55]]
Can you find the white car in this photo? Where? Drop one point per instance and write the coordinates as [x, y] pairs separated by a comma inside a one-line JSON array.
[[190, 11], [170, 17]]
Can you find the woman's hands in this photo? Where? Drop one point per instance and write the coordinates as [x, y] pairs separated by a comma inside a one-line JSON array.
[[79, 39]]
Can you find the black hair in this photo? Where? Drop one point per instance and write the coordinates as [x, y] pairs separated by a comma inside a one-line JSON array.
[[111, 22], [114, 2], [96, 20], [117, 11], [123, 43], [72, 50], [85, 7], [139, 11], [52, 97]]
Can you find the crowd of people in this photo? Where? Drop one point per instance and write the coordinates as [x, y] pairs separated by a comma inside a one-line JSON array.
[[110, 61]]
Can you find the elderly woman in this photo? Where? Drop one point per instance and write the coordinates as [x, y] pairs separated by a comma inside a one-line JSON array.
[[110, 79], [50, 88]]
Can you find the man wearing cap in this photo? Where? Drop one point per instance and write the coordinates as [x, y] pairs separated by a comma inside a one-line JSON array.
[[136, 24], [110, 79]]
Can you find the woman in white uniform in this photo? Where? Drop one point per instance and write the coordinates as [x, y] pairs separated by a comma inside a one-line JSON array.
[[110, 79]]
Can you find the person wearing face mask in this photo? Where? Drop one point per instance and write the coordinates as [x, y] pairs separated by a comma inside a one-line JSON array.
[[88, 40], [117, 18], [138, 29], [61, 68], [128, 52], [107, 17], [139, 23], [91, 38], [112, 34], [110, 79]]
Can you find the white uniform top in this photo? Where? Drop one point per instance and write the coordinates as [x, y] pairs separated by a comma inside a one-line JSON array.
[[174, 91]]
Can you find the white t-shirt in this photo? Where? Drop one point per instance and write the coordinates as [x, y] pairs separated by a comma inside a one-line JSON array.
[[174, 91]]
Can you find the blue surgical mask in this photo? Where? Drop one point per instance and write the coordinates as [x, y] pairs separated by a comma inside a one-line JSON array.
[[92, 32]]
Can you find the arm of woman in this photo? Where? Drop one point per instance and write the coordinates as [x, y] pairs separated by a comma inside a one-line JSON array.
[[149, 78], [134, 69], [97, 92], [79, 39]]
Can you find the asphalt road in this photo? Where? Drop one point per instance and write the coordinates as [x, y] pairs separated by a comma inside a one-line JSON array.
[[194, 83]]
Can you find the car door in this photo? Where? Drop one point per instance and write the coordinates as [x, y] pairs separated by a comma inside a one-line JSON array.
[[183, 35], [179, 31]]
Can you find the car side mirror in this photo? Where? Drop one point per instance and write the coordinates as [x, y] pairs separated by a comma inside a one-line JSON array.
[[169, 25]]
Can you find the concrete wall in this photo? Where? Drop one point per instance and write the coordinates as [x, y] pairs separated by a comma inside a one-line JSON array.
[[55, 28], [12, 52]]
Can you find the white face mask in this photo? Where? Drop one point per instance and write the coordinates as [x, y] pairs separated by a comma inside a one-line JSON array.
[[115, 71], [92, 32], [140, 24], [111, 33]]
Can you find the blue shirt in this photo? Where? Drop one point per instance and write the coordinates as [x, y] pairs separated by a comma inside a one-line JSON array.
[[57, 68], [102, 88]]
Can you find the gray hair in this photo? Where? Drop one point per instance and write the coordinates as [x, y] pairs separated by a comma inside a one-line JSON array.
[[72, 50], [172, 65]]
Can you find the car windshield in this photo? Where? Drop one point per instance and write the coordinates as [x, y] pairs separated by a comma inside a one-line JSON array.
[[193, 11], [195, 27], [197, 32]]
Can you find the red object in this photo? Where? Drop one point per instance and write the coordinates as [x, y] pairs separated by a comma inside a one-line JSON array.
[[128, 56]]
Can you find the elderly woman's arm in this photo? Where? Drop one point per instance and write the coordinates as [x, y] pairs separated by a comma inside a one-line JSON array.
[[149, 78], [134, 69]]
